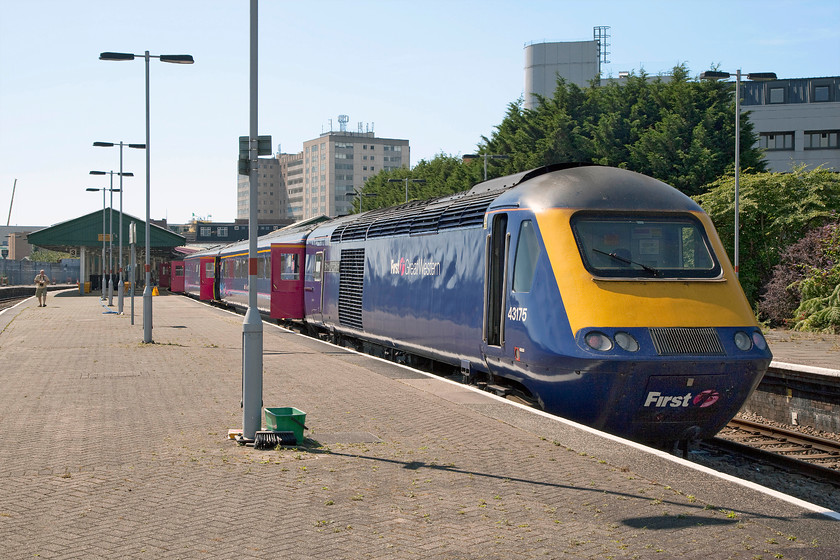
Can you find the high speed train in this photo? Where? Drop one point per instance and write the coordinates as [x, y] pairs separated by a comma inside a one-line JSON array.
[[599, 294]]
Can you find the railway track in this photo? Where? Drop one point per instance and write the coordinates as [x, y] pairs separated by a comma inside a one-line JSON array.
[[10, 302], [812, 456]]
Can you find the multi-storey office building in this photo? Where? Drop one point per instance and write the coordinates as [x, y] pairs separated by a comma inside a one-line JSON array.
[[797, 121], [337, 164], [271, 196], [323, 178]]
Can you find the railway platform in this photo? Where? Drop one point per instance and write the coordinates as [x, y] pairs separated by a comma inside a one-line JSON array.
[[814, 350], [115, 448]]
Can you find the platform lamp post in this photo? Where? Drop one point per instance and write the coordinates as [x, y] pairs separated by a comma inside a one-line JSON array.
[[252, 329], [360, 194], [758, 77], [147, 290], [111, 228], [406, 180], [103, 189], [486, 157], [121, 286]]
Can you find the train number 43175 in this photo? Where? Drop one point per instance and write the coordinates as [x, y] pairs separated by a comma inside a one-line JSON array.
[[517, 314]]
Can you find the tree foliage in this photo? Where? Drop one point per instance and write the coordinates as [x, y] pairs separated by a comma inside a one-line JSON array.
[[776, 210], [47, 256], [443, 175], [819, 307], [678, 130]]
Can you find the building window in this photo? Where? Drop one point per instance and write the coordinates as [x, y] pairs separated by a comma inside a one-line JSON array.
[[820, 93], [204, 231], [221, 232], [776, 140], [821, 139], [777, 95]]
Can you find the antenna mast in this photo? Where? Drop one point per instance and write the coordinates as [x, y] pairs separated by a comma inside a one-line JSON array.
[[11, 203]]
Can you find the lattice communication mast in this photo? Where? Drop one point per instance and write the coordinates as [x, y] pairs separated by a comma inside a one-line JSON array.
[[601, 34]]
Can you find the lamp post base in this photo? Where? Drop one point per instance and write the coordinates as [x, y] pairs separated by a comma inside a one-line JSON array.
[[147, 313]]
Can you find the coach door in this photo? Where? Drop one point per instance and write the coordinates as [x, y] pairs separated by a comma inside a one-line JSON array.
[[497, 249], [207, 278], [313, 288], [177, 281], [287, 280]]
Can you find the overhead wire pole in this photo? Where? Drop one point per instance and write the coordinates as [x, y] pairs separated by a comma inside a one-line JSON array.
[[252, 329]]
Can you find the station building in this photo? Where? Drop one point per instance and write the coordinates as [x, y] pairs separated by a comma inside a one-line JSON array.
[[96, 244]]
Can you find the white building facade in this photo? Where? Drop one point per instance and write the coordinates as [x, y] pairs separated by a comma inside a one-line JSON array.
[[323, 178]]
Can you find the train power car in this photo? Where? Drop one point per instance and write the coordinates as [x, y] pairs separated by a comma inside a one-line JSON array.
[[602, 295]]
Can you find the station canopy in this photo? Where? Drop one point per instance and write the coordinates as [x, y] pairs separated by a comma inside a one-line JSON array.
[[86, 231]]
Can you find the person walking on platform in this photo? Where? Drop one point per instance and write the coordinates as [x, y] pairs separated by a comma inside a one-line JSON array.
[[41, 283]]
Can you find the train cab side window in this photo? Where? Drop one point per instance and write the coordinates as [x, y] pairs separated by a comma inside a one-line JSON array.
[[319, 265], [315, 267], [527, 253]]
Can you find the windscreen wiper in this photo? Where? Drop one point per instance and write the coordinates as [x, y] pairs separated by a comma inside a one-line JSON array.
[[647, 268]]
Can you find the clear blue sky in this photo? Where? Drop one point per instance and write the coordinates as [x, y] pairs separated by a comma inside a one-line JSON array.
[[438, 73]]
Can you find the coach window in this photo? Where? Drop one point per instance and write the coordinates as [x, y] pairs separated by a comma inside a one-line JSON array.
[[289, 268], [527, 252], [179, 270]]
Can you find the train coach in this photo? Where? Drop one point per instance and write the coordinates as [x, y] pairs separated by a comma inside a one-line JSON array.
[[599, 294]]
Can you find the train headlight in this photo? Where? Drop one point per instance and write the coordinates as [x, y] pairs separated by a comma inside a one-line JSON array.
[[743, 341], [759, 341], [598, 341], [626, 341]]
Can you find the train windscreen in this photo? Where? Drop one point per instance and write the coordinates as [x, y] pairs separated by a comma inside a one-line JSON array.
[[633, 245]]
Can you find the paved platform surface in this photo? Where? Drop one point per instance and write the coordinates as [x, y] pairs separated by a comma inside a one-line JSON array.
[[116, 449], [805, 348]]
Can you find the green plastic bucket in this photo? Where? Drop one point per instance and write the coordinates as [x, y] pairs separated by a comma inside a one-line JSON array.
[[286, 419]]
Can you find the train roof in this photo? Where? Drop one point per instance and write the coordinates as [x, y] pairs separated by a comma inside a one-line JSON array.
[[594, 187], [576, 185], [570, 185]]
